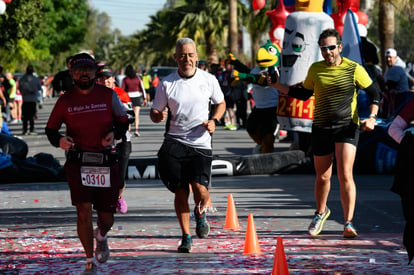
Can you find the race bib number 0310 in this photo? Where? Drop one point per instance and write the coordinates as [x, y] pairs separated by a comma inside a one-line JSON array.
[[96, 176]]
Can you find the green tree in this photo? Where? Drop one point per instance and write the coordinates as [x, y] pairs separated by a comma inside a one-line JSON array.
[[100, 39], [206, 22], [389, 25], [41, 32]]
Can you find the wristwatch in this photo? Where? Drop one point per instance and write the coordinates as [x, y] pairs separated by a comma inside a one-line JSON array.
[[373, 116], [216, 121]]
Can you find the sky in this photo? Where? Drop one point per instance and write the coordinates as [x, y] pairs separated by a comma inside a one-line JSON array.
[[128, 15]]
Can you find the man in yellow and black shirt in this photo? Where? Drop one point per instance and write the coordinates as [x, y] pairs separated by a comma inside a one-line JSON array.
[[334, 82]]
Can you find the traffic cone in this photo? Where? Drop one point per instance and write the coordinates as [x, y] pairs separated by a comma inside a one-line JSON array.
[[251, 243], [279, 264], [232, 222]]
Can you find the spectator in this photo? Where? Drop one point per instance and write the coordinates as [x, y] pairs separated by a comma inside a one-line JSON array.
[[11, 95], [30, 88], [3, 102], [202, 65], [136, 91], [62, 81], [154, 84], [5, 86], [397, 91], [146, 81], [18, 102], [262, 121], [240, 97], [225, 81]]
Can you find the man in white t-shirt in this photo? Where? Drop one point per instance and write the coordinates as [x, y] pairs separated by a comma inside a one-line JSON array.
[[186, 155]]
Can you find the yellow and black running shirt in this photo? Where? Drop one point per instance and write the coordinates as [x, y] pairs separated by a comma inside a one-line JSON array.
[[336, 90]]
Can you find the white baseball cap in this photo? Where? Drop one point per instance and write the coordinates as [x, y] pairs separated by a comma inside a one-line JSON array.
[[390, 52]]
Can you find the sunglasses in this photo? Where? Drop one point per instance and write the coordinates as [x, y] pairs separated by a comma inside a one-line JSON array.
[[330, 47]]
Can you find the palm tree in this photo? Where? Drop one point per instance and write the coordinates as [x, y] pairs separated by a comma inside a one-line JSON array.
[[206, 22], [386, 26], [233, 27], [387, 23], [258, 23]]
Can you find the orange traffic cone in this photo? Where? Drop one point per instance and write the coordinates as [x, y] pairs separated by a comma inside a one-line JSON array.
[[279, 264], [232, 222], [251, 243]]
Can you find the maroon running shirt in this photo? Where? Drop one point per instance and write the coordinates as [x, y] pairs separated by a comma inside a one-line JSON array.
[[88, 118]]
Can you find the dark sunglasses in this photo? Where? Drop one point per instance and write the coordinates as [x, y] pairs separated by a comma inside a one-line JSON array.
[[330, 47]]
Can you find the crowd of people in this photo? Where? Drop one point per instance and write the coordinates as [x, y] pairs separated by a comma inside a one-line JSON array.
[[193, 101]]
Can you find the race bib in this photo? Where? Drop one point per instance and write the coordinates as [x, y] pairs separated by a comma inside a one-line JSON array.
[[294, 114], [96, 176], [295, 108]]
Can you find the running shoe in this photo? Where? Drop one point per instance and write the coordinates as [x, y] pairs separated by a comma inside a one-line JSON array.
[[349, 231], [230, 127], [185, 246], [121, 206], [90, 269], [137, 134], [317, 222], [102, 249], [202, 225]]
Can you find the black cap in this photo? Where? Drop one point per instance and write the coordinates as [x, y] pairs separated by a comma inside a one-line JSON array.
[[82, 59], [104, 71]]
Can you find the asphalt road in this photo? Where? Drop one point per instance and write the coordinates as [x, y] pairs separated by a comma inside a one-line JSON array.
[[38, 223]]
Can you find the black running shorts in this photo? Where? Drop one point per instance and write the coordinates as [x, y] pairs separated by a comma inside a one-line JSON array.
[[179, 164], [323, 140], [262, 122]]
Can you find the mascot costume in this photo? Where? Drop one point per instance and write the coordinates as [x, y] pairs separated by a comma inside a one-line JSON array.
[[262, 122], [267, 58]]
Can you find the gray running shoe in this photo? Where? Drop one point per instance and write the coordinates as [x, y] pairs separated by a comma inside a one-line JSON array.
[[350, 231], [90, 269], [186, 243], [102, 249], [317, 222], [202, 225]]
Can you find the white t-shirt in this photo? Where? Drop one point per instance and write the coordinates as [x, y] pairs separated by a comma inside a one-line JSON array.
[[264, 96], [188, 100]]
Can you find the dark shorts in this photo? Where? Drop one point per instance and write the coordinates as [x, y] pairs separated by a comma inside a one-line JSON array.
[[124, 150], [229, 102], [102, 199], [262, 121], [179, 164], [323, 140], [152, 93], [137, 101]]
